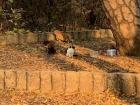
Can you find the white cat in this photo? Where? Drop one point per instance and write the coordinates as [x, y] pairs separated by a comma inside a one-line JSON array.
[[70, 52]]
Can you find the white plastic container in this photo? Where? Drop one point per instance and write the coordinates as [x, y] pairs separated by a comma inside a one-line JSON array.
[[111, 52]]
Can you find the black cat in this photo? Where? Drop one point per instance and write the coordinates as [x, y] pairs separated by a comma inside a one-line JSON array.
[[50, 47]]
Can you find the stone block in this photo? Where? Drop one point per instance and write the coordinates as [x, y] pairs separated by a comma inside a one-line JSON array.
[[89, 35], [106, 33], [58, 82], [33, 81], [83, 35], [76, 36], [2, 40], [10, 80], [113, 82], [40, 37], [31, 37], [100, 82], [72, 35], [45, 36], [68, 36], [92, 34], [86, 82], [50, 37], [138, 85], [102, 33], [109, 34], [21, 80], [128, 84], [97, 34], [46, 82], [12, 39], [72, 82], [1, 79], [22, 38]]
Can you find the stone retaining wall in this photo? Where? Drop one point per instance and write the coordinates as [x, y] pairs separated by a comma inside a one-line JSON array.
[[34, 38], [70, 82]]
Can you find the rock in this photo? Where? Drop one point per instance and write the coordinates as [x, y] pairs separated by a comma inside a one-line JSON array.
[[59, 35], [51, 37]]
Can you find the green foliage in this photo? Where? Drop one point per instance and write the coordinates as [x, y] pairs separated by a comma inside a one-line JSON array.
[[20, 31], [11, 17], [10, 33], [1, 11], [11, 1], [60, 14], [15, 17], [17, 31]]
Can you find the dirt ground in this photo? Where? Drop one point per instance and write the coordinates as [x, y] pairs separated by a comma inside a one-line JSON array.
[[34, 57], [107, 98]]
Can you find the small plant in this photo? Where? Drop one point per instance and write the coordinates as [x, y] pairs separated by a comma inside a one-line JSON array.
[[20, 31], [15, 17], [17, 31]]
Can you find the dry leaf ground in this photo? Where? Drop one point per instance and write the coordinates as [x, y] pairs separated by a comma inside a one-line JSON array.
[[34, 57], [107, 98]]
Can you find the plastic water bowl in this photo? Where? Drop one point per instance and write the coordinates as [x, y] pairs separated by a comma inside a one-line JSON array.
[[111, 52]]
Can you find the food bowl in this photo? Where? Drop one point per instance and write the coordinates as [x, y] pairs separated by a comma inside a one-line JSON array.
[[111, 52]]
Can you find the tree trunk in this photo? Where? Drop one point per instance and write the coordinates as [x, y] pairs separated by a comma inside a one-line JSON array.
[[1, 1], [125, 23]]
